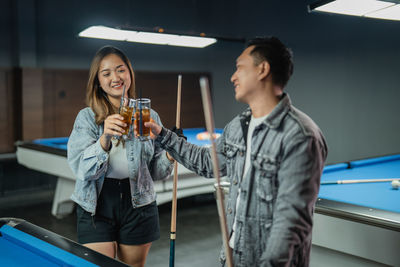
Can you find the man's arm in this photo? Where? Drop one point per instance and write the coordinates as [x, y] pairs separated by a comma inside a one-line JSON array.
[[195, 158]]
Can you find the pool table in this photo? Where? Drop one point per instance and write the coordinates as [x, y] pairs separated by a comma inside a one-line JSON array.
[[25, 244], [49, 155], [358, 224]]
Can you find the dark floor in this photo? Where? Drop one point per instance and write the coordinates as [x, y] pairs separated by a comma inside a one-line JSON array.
[[198, 238], [198, 234]]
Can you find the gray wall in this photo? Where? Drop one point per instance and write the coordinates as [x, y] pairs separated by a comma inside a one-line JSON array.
[[345, 67]]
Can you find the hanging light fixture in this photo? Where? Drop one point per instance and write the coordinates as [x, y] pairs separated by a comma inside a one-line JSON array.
[[389, 10], [159, 38]]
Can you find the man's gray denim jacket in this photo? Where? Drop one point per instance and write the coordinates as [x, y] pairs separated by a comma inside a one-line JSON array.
[[278, 193], [89, 163]]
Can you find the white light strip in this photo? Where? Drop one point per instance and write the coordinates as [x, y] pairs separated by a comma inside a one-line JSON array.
[[108, 33], [390, 13], [353, 7]]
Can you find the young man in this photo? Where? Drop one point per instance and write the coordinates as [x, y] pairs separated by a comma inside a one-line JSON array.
[[273, 154]]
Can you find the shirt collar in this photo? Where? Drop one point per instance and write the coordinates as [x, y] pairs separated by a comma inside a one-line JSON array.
[[276, 116]]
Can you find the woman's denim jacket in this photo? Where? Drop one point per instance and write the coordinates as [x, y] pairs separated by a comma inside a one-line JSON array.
[[89, 163], [278, 193]]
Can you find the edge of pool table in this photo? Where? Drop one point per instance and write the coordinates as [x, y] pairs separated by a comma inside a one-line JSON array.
[[358, 213], [60, 242], [42, 148], [376, 217]]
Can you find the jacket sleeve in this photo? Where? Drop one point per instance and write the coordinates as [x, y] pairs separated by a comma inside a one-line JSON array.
[[299, 179], [193, 157], [160, 166], [86, 157]]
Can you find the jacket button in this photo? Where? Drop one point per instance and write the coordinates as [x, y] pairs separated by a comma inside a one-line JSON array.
[[229, 211], [235, 181], [241, 153]]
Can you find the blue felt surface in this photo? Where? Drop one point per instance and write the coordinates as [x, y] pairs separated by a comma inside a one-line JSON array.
[[378, 195], [21, 249], [190, 133], [56, 142], [372, 161], [335, 167]]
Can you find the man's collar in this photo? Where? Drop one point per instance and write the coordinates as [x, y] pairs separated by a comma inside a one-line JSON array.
[[276, 116]]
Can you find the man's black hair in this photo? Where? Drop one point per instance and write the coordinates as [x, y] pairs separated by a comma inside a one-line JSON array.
[[279, 57]]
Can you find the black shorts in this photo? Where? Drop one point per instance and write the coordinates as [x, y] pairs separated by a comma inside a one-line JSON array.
[[116, 219]]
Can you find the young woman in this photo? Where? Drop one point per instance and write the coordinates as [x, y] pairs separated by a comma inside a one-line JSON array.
[[117, 213]]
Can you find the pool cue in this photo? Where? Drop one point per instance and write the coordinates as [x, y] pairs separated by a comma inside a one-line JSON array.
[[205, 94], [360, 181], [175, 181], [140, 113], [121, 104]]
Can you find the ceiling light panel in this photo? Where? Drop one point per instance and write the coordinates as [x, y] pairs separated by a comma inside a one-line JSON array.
[[353, 7], [390, 13], [103, 32]]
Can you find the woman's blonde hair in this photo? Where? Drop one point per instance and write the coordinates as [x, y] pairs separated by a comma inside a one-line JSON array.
[[96, 98]]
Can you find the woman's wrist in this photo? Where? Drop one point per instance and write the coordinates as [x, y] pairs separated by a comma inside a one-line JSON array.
[[105, 142]]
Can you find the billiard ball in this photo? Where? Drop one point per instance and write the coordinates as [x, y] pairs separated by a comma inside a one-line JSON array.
[[396, 184]]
